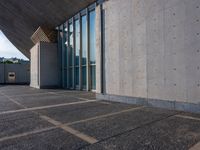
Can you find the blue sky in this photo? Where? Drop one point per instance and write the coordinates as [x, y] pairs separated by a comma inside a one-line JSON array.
[[7, 49]]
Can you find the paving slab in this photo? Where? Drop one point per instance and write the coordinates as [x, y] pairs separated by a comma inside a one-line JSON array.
[[44, 100], [55, 139], [6, 104], [16, 92], [117, 124], [170, 134], [12, 124], [66, 114]]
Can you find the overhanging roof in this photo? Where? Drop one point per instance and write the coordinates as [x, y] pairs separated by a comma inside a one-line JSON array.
[[19, 19]]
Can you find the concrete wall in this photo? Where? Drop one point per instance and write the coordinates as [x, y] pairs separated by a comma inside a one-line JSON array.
[[22, 73], [49, 68], [152, 49], [35, 66], [44, 65], [2, 81]]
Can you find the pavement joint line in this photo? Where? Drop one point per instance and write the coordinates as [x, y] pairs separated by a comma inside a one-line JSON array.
[[107, 103], [85, 99], [67, 92], [29, 94], [12, 100], [70, 130], [45, 107], [26, 133], [60, 94], [187, 117], [106, 115], [195, 147], [133, 129]]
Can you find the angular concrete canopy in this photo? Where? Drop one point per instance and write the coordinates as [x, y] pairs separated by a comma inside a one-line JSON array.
[[19, 19]]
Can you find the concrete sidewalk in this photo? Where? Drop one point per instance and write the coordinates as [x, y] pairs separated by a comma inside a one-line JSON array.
[[32, 119]]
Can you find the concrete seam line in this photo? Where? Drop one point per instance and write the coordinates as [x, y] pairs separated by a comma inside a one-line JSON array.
[[68, 129], [26, 134], [106, 115], [29, 94], [45, 107], [14, 101], [85, 99], [188, 117], [195, 147]]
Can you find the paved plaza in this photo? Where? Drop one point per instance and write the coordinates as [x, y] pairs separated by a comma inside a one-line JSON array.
[[32, 119]]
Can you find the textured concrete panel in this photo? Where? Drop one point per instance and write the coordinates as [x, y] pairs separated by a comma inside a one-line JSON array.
[[152, 49], [34, 66], [1, 73], [49, 67], [22, 73], [44, 65]]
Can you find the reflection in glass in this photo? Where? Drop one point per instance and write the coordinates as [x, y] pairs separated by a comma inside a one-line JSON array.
[[77, 53], [92, 38], [71, 55], [76, 38], [70, 44], [77, 33], [92, 44], [84, 39], [84, 50]]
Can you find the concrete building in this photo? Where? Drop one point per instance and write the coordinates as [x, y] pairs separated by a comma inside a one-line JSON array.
[[137, 51]]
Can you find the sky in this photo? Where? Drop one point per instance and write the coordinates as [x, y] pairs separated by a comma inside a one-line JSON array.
[[8, 50]]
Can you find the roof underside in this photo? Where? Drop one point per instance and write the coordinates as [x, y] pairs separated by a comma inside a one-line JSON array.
[[19, 19]]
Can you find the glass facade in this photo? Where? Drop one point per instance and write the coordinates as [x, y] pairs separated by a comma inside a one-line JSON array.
[[79, 50], [84, 50], [92, 44], [71, 54]]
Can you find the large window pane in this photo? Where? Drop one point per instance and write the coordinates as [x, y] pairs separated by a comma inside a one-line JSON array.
[[77, 51], [70, 44], [84, 50], [84, 39], [77, 33], [71, 54], [92, 44], [92, 38]]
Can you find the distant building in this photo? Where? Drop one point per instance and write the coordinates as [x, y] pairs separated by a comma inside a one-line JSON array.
[[14, 60]]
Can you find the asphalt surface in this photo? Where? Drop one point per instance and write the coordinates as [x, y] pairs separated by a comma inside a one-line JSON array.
[[32, 119]]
